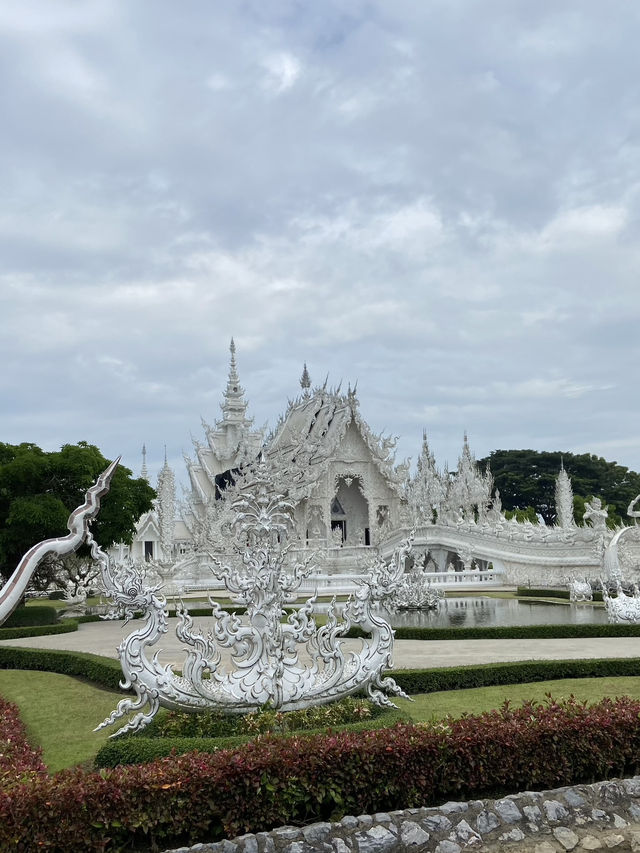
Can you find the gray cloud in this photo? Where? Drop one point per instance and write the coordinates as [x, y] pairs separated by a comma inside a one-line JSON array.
[[440, 200]]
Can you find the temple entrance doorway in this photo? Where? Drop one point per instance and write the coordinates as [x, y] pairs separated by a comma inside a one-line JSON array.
[[350, 512]]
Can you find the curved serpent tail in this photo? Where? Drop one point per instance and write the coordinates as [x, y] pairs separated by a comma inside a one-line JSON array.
[[78, 524]]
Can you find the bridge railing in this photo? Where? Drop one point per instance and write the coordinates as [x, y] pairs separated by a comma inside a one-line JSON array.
[[344, 584]]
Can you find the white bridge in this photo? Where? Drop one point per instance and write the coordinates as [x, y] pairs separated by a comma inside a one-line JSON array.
[[547, 558], [512, 555]]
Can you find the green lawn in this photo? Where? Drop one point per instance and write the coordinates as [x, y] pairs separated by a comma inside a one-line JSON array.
[[61, 712], [428, 706]]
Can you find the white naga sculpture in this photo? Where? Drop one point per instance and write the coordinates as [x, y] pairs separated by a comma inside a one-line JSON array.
[[78, 524], [622, 607], [262, 650]]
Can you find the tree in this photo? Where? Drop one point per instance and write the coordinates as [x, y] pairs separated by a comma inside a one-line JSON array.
[[39, 490], [528, 477], [522, 515]]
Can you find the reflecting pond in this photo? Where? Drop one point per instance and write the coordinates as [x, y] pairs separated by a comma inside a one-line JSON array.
[[483, 611]]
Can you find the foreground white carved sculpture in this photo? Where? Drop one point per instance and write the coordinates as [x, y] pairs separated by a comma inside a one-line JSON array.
[[263, 650], [78, 524]]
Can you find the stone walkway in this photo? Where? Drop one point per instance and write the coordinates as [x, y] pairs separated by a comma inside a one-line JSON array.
[[103, 638]]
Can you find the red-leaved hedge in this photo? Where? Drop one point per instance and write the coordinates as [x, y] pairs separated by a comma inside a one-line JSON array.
[[203, 797], [17, 757]]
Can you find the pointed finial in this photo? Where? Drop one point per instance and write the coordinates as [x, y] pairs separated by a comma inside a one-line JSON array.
[[234, 407], [305, 379], [165, 454], [143, 471]]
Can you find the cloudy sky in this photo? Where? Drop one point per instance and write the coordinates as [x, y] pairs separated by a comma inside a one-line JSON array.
[[439, 199]]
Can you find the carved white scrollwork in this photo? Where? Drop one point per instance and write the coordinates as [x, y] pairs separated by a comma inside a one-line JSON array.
[[243, 663]]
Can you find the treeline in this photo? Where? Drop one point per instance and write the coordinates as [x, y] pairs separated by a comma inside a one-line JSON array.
[[526, 480]]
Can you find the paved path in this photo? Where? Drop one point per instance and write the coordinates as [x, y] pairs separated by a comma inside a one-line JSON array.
[[103, 638]]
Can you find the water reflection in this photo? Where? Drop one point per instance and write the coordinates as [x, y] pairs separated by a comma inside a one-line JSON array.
[[487, 612]]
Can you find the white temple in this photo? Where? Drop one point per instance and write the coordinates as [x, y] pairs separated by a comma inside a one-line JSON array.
[[352, 503]]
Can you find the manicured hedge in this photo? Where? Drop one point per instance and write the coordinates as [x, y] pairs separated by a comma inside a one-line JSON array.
[[524, 592], [511, 632], [275, 781], [138, 749], [39, 614], [107, 672], [208, 611], [66, 627], [100, 670], [541, 592], [17, 757], [414, 681]]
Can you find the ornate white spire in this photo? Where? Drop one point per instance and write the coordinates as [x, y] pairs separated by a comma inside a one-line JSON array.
[[470, 490], [143, 471], [234, 407], [165, 506], [426, 490], [564, 499]]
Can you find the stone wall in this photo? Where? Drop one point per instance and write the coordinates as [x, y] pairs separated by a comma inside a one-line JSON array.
[[602, 816]]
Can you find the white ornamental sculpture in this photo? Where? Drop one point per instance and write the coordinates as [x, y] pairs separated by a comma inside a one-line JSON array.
[[580, 590], [622, 608], [426, 491], [415, 592], [262, 650], [564, 500], [78, 525]]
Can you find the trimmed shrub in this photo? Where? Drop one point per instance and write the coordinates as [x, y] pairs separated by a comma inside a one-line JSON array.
[[66, 627], [39, 614], [276, 781], [100, 670], [414, 681], [213, 723], [511, 632], [525, 592], [88, 617], [142, 748], [107, 672], [208, 611], [18, 759]]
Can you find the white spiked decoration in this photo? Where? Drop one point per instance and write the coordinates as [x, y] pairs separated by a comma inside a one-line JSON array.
[[262, 651], [415, 592]]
